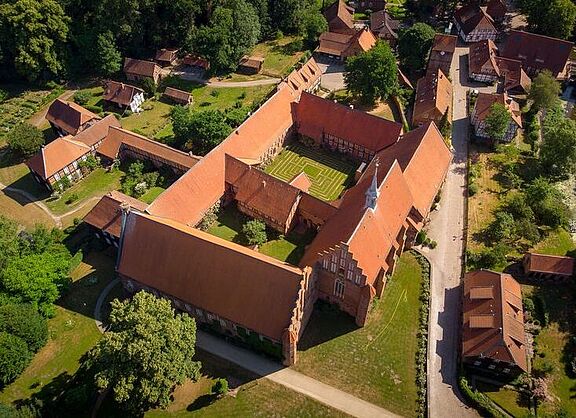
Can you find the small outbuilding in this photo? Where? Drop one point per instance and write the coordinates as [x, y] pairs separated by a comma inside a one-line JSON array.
[[166, 56], [139, 70], [548, 267], [178, 96], [196, 61], [250, 65]]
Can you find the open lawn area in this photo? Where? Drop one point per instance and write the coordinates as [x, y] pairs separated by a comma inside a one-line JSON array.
[[151, 194], [155, 116], [279, 55], [510, 400], [22, 211], [289, 248], [386, 110], [329, 174], [72, 332], [376, 362]]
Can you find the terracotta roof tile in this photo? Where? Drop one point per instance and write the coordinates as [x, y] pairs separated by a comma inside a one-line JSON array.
[[543, 263], [316, 116], [222, 277], [333, 43], [301, 182], [381, 21], [120, 93], [339, 16], [107, 214], [56, 155], [140, 67], [195, 61], [179, 96], [515, 78], [482, 53], [469, 17], [496, 9], [69, 116], [117, 137], [166, 54], [537, 51], [484, 102], [493, 327], [433, 96], [442, 52], [96, 132]]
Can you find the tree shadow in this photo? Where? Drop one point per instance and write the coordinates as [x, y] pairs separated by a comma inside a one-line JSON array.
[[202, 402]]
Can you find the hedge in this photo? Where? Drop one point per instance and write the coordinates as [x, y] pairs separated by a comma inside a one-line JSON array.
[[478, 400]]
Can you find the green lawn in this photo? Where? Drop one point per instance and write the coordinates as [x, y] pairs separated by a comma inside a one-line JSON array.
[[376, 362], [289, 248], [153, 119], [329, 174], [96, 183], [558, 242], [509, 400], [72, 333], [279, 55], [151, 194]]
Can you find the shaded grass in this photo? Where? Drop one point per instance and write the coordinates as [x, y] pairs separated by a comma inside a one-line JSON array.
[[151, 194], [26, 214], [509, 400], [278, 56], [557, 242], [376, 362], [72, 332]]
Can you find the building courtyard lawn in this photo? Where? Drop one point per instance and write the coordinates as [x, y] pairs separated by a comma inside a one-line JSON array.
[[377, 362], [279, 55], [329, 175]]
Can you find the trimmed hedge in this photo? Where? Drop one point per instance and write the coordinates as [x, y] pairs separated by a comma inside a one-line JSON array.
[[24, 321], [478, 400], [422, 351]]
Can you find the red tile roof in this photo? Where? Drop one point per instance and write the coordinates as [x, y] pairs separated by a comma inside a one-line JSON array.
[[496, 9], [339, 17], [493, 324], [56, 155], [470, 16], [69, 116], [179, 96], [537, 51], [221, 277], [333, 43], [554, 264], [117, 137], [107, 214], [316, 116], [301, 181], [442, 52], [95, 133], [119, 93], [140, 67], [166, 54], [484, 102], [482, 53], [433, 97], [195, 61], [304, 78], [424, 159], [515, 78]]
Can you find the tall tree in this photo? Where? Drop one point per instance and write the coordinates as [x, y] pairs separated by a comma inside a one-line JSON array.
[[146, 353], [544, 90], [414, 46], [288, 15], [558, 148], [554, 18], [199, 131], [32, 35], [8, 241], [497, 122], [372, 75], [314, 23], [108, 59], [25, 140]]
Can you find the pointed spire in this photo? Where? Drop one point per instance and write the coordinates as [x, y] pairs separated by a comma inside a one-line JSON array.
[[372, 192]]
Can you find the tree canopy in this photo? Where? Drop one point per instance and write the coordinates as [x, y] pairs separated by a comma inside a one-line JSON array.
[[558, 148], [32, 35], [255, 232], [25, 140], [25, 322], [497, 122], [555, 18], [544, 90], [372, 75], [146, 353], [414, 46], [199, 131], [14, 357]]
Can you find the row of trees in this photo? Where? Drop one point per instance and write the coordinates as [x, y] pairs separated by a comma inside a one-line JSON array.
[[556, 18], [40, 39], [34, 271]]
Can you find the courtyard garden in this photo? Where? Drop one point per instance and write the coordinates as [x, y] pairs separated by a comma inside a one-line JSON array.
[[329, 173], [289, 248], [377, 362]]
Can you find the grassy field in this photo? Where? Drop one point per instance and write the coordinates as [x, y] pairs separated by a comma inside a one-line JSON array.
[[376, 362], [22, 211], [289, 248], [509, 400], [279, 55], [329, 174], [72, 333], [152, 120]]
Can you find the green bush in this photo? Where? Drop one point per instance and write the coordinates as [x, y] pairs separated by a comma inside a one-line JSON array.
[[25, 139], [472, 189], [90, 163], [23, 321], [94, 108], [254, 232], [82, 97], [14, 357], [72, 198], [3, 95], [149, 86], [421, 237], [480, 401], [220, 387]]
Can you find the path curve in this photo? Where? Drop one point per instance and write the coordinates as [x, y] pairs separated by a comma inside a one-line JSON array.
[[275, 372], [57, 219], [224, 84], [38, 118]]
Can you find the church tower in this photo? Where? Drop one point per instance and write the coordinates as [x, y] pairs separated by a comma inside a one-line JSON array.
[[372, 192]]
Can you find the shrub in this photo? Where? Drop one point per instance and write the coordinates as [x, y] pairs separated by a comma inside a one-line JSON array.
[[528, 304], [82, 97], [254, 232], [72, 198], [421, 237], [220, 388], [149, 86], [472, 189], [23, 321], [90, 163], [14, 357], [64, 183], [3, 95], [25, 139], [480, 401], [214, 93], [94, 108]]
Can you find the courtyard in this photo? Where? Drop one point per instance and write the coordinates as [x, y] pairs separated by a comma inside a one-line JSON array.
[[329, 173]]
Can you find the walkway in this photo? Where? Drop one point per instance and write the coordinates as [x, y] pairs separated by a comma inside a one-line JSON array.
[[275, 372], [34, 200], [193, 76], [447, 228]]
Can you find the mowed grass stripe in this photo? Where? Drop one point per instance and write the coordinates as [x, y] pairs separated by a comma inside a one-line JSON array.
[[328, 174]]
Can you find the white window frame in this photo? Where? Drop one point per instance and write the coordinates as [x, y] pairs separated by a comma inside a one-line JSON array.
[[339, 288]]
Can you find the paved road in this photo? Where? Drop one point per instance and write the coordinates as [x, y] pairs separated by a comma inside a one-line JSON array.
[[447, 228], [273, 371]]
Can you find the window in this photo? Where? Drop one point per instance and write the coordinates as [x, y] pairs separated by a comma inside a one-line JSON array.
[[358, 278], [342, 262], [57, 176], [339, 289], [333, 267], [477, 363], [334, 258], [198, 312], [492, 366], [66, 171], [223, 323], [325, 264], [506, 370], [349, 275]]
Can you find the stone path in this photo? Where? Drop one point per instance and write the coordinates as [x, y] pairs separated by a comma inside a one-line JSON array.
[[273, 371], [224, 84]]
